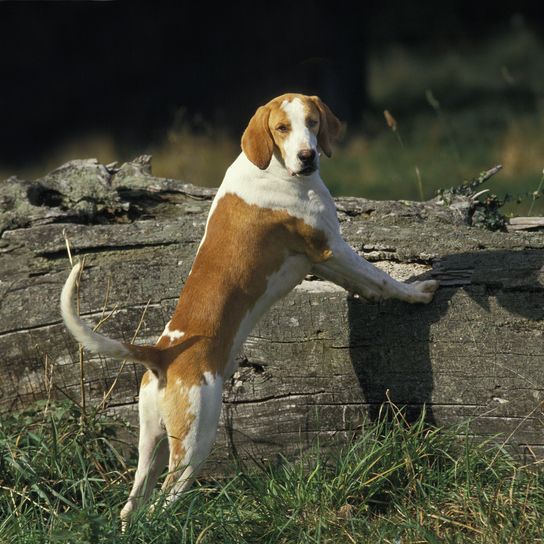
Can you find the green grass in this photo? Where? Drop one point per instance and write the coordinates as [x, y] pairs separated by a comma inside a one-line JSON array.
[[63, 479]]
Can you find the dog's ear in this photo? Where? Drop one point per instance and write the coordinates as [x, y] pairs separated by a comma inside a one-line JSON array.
[[329, 126], [257, 142]]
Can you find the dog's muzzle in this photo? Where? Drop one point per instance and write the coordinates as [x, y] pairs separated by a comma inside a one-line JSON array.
[[308, 160]]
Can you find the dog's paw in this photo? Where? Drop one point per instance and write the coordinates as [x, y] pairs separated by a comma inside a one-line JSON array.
[[125, 516], [428, 286], [424, 290]]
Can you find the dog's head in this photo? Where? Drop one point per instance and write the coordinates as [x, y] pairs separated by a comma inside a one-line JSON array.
[[294, 126]]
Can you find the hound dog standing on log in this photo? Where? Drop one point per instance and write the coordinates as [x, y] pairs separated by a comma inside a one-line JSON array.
[[272, 222]]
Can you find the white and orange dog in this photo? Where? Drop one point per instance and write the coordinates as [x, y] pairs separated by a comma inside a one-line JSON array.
[[272, 222]]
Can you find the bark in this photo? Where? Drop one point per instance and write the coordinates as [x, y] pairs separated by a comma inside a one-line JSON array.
[[321, 361]]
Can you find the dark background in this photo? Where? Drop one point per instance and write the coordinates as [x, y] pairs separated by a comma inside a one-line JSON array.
[[69, 67], [128, 69]]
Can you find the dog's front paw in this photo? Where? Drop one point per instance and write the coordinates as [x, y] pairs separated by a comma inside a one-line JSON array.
[[424, 290]]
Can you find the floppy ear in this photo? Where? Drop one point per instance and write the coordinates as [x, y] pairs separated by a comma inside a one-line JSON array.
[[257, 141], [329, 126]]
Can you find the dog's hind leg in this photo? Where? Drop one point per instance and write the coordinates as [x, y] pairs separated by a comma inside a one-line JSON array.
[[152, 447], [191, 434]]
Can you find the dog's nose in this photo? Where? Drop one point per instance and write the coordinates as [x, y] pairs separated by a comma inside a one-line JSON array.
[[306, 155]]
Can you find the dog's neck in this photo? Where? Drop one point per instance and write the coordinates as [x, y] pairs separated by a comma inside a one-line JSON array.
[[275, 188]]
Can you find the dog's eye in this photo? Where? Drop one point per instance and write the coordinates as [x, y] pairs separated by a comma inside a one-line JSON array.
[[282, 128], [311, 123]]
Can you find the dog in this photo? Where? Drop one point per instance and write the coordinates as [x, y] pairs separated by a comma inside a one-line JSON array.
[[271, 223]]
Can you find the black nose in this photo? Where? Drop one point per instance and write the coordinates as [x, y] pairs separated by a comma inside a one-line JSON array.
[[306, 155]]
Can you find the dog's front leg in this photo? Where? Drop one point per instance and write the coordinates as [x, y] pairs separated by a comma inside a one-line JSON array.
[[351, 271]]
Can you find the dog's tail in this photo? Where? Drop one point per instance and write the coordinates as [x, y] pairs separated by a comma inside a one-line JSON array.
[[149, 356]]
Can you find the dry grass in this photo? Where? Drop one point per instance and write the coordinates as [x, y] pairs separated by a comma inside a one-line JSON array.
[[196, 158]]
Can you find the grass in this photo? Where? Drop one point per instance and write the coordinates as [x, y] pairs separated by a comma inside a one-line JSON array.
[[64, 478]]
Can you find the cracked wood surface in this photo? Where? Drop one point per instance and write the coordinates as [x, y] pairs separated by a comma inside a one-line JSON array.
[[321, 361]]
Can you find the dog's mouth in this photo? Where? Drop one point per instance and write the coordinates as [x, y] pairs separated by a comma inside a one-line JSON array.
[[306, 171]]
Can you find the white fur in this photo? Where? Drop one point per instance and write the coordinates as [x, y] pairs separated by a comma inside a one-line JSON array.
[[172, 334], [300, 137], [205, 402], [152, 448], [97, 343], [351, 271]]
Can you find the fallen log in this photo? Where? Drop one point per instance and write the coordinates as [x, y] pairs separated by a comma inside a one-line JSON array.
[[321, 361], [526, 223]]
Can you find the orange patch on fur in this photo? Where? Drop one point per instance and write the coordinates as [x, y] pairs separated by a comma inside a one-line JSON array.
[[146, 378], [176, 412], [245, 244]]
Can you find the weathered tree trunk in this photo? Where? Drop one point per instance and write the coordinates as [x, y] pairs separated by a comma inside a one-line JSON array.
[[320, 361]]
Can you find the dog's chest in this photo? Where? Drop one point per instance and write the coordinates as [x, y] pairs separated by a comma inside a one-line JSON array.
[[256, 240], [305, 198]]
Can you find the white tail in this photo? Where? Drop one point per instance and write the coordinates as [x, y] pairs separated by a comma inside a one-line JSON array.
[[98, 343]]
